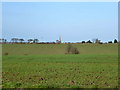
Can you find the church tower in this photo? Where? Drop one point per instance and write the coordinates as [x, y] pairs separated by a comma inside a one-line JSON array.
[[59, 39]]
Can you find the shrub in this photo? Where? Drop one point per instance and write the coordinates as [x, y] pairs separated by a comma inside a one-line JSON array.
[[25, 54], [71, 49], [6, 53], [74, 50], [66, 53], [100, 43]]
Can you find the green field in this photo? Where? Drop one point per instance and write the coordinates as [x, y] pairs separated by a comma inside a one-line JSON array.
[[46, 66]]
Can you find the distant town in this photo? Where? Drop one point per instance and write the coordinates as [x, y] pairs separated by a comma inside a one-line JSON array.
[[32, 41]]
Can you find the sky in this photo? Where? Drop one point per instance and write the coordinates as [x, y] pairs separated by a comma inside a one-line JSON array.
[[73, 21]]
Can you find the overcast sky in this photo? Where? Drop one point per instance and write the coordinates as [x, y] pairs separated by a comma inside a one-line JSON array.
[[73, 21]]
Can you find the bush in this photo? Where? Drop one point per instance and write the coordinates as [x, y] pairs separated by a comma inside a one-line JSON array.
[[72, 50], [69, 47], [66, 53], [100, 43], [25, 54], [6, 53]]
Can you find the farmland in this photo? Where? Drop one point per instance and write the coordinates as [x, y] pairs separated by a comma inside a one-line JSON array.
[[46, 66]]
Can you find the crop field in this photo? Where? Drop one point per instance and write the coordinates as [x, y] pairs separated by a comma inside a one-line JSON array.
[[47, 66]]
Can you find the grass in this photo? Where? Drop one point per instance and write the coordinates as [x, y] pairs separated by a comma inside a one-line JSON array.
[[50, 49], [98, 69]]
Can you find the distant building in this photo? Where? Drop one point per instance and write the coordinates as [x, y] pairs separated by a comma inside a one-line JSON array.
[[59, 41]]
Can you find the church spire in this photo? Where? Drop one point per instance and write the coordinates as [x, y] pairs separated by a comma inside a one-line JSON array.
[[59, 39]]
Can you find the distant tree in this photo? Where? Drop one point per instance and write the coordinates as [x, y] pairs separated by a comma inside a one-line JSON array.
[[83, 41], [57, 41], [21, 40], [30, 40], [89, 41], [109, 41], [14, 40], [78, 42], [115, 41], [0, 40], [35, 41], [5, 40], [95, 40]]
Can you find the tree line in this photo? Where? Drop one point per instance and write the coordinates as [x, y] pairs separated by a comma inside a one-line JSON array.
[[21, 40], [16, 40]]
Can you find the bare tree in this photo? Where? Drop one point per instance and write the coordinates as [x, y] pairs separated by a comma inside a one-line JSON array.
[[96, 40]]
